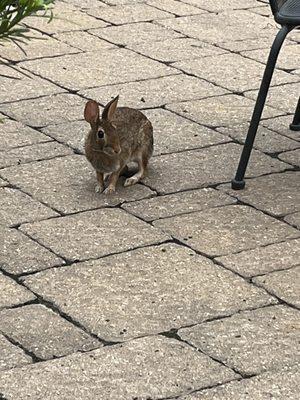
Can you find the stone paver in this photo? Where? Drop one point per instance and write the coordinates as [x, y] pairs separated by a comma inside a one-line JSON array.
[[48, 110], [44, 333], [11, 356], [39, 46], [217, 6], [15, 134], [129, 13], [277, 194], [184, 134], [69, 19], [258, 41], [283, 284], [31, 153], [266, 140], [18, 207], [294, 219], [156, 92], [175, 7], [283, 97], [176, 204], [3, 183], [271, 385], [218, 69], [218, 27], [225, 230], [168, 294], [291, 157], [73, 190], [261, 9], [252, 342], [220, 111], [133, 34], [264, 259], [175, 172], [118, 2], [281, 125], [13, 294], [177, 255], [286, 60], [19, 254], [94, 234], [146, 368], [87, 4], [117, 66], [171, 50], [83, 41], [294, 36], [16, 86], [71, 133]]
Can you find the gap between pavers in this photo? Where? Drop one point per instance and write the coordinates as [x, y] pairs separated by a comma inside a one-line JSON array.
[[226, 230], [251, 342], [145, 292], [283, 384], [154, 367], [94, 234]]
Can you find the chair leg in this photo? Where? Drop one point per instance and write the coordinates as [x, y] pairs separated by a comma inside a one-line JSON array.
[[238, 182], [295, 125]]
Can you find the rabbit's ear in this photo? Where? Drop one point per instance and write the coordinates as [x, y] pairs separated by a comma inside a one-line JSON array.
[[110, 109], [91, 112]]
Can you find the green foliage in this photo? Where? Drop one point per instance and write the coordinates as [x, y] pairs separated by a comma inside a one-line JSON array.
[[12, 13]]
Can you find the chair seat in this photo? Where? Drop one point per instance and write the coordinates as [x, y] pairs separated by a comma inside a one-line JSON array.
[[289, 13]]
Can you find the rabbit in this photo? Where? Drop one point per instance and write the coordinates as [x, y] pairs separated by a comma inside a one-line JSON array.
[[119, 136]]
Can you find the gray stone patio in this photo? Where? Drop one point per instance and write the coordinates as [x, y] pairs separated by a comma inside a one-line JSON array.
[[178, 287]]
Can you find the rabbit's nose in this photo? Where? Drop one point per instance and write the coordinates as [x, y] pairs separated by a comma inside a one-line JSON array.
[[112, 150]]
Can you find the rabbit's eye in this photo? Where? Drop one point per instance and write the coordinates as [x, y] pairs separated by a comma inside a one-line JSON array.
[[101, 134]]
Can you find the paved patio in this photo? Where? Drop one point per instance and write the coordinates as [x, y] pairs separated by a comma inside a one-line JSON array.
[[177, 287]]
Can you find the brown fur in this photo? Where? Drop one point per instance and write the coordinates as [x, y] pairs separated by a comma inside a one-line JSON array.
[[128, 137]]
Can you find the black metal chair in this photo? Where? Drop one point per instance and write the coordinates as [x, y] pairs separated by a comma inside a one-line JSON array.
[[287, 14]]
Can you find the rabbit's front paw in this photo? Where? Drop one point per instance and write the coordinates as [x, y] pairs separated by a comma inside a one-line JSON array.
[[99, 188], [109, 190]]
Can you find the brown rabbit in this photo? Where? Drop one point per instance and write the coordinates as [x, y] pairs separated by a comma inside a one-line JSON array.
[[119, 136]]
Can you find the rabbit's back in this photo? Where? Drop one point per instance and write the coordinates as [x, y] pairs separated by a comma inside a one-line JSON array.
[[135, 132]]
